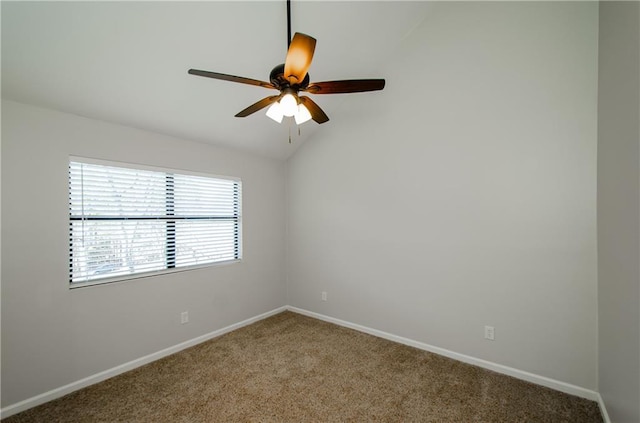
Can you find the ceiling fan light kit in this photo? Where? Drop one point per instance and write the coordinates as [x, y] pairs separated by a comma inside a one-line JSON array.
[[289, 103], [289, 106], [291, 78]]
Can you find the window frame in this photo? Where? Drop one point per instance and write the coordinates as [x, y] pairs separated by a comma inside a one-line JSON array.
[[170, 234]]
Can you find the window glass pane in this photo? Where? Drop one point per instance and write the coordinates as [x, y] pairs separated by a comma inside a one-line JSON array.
[[112, 191], [203, 241], [197, 196], [111, 248]]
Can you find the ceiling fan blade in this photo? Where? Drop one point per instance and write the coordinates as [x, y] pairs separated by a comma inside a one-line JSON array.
[[316, 112], [346, 86], [299, 57], [257, 106], [232, 78]]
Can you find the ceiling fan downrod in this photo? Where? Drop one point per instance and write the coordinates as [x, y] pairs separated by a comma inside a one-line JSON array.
[[288, 24]]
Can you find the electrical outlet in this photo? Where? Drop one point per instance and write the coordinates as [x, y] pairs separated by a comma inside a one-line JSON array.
[[184, 317], [489, 333], [324, 295]]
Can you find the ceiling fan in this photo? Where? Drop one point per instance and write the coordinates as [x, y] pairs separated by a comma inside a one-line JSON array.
[[291, 78]]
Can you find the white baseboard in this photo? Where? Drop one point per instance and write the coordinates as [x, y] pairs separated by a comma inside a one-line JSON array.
[[99, 377], [603, 410], [499, 368]]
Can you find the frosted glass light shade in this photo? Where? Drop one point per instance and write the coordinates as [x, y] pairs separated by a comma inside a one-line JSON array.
[[275, 112], [289, 105], [302, 115]]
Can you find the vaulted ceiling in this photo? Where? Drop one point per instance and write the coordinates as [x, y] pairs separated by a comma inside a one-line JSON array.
[[127, 62]]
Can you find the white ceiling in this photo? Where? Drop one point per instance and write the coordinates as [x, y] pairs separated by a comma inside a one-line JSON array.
[[127, 62]]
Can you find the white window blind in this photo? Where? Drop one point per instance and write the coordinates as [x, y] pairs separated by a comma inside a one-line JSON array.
[[125, 221]]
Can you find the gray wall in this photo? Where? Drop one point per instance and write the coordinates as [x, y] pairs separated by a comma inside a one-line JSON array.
[[619, 210], [466, 195], [51, 335]]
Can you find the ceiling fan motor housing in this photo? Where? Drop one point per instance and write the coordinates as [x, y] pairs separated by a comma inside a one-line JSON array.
[[279, 81]]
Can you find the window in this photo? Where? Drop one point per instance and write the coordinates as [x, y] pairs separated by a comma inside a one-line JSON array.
[[126, 221]]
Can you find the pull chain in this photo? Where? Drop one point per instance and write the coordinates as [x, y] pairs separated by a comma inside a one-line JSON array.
[[298, 126]]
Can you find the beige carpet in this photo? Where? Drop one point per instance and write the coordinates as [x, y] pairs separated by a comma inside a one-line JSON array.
[[291, 368]]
